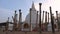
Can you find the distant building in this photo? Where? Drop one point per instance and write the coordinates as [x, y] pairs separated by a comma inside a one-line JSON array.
[[2, 26]]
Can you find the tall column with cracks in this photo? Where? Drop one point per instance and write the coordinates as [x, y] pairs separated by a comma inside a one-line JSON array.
[[57, 20], [52, 21], [46, 20], [30, 20], [40, 16]]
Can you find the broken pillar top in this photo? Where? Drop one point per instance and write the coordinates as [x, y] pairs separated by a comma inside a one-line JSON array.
[[50, 10], [40, 3], [46, 11], [15, 11], [50, 7], [56, 11], [19, 10], [43, 11], [30, 9]]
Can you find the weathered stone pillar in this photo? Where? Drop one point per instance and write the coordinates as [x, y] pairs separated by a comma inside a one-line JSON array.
[[13, 23], [57, 20], [40, 16], [52, 21], [37, 20], [48, 17], [30, 20], [14, 20], [43, 17], [19, 24], [16, 23], [46, 20]]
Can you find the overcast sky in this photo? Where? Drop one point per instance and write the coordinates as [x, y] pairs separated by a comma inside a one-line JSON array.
[[7, 7]]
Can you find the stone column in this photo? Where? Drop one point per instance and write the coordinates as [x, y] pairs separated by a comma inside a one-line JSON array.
[[40, 16], [57, 20], [14, 21], [48, 17], [19, 24], [30, 20], [52, 21], [46, 20], [37, 20], [43, 17]]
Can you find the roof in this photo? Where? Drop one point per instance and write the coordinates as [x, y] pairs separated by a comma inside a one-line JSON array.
[[2, 24]]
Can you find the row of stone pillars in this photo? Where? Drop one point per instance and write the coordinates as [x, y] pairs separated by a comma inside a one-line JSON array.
[[18, 26], [15, 25], [52, 19]]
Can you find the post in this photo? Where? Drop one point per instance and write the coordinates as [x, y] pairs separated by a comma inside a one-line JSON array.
[[57, 20], [19, 24], [43, 17], [48, 17], [40, 16], [46, 20], [52, 21], [37, 20], [30, 20], [16, 23], [14, 20]]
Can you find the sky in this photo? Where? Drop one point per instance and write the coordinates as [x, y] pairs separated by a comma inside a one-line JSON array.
[[7, 7]]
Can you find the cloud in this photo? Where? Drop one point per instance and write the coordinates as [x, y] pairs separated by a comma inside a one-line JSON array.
[[5, 13], [55, 4]]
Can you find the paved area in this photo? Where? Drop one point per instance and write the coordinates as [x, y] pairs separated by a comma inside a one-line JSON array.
[[18, 32]]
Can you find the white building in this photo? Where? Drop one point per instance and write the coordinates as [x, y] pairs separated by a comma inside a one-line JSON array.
[[33, 16]]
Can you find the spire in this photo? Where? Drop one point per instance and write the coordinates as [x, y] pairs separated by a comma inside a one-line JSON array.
[[33, 7]]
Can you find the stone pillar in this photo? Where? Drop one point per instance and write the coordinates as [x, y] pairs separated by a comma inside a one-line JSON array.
[[30, 20], [57, 20], [46, 20], [19, 24], [48, 17], [43, 17], [52, 21], [40, 16], [14, 21], [37, 20]]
